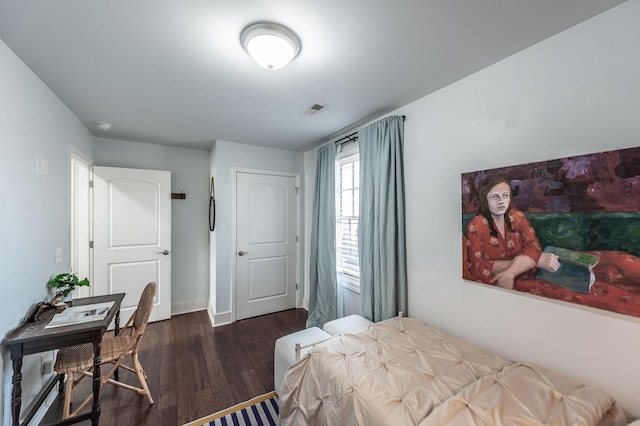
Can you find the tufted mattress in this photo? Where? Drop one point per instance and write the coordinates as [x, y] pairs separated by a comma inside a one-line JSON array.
[[404, 372]]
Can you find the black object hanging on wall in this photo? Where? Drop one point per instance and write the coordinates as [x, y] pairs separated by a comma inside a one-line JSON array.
[[212, 207]]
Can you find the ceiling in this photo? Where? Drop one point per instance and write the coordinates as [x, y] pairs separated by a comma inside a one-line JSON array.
[[173, 71]]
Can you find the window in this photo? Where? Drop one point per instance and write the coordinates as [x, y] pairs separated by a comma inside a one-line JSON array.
[[348, 210]]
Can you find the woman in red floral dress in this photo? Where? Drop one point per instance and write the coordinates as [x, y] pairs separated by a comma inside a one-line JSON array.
[[501, 243]]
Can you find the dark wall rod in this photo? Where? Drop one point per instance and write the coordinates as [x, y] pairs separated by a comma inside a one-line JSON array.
[[354, 136], [349, 138]]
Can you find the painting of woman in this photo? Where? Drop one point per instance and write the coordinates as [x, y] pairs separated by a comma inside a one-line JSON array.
[[501, 243], [565, 229]]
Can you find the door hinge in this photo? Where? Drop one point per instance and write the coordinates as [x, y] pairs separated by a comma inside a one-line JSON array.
[[297, 239], [297, 191], [91, 184], [297, 286], [90, 244]]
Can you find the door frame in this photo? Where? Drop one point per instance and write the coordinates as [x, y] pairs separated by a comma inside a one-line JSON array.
[[80, 210], [233, 225]]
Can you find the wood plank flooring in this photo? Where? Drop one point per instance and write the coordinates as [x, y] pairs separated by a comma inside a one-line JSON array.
[[194, 369]]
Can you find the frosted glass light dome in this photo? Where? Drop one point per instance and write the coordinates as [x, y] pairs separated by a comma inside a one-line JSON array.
[[272, 46]]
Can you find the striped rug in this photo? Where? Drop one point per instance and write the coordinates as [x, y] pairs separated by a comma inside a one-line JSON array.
[[258, 411]]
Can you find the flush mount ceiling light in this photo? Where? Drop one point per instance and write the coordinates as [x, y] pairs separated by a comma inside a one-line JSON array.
[[104, 126], [272, 46]]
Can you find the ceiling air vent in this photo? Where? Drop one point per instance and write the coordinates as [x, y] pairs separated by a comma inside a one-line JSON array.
[[314, 108]]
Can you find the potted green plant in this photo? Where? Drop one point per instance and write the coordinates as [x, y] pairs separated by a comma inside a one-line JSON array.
[[63, 284]]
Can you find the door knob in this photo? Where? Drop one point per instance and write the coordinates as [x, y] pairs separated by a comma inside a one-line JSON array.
[[242, 253], [165, 252]]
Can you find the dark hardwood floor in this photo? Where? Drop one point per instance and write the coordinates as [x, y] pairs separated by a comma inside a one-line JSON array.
[[194, 369]]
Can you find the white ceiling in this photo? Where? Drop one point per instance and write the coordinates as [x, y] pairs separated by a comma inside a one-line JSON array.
[[173, 71]]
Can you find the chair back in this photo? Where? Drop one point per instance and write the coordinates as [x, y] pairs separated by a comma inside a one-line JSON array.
[[143, 311]]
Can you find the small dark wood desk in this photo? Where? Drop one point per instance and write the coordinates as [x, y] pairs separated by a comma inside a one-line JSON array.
[[31, 337]]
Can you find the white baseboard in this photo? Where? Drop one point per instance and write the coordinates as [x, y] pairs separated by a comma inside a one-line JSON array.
[[211, 317], [219, 319], [42, 410], [225, 317], [191, 306]]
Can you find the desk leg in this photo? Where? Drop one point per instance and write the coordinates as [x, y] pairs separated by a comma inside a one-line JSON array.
[[95, 409], [16, 392], [116, 374], [61, 383]]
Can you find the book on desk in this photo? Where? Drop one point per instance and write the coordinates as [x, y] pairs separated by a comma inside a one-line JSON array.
[[79, 314]]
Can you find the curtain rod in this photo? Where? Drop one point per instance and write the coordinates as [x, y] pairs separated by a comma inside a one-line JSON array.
[[354, 136], [349, 138]]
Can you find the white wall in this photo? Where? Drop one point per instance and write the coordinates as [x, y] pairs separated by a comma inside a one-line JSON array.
[[575, 93], [189, 223], [213, 236], [34, 215], [228, 155]]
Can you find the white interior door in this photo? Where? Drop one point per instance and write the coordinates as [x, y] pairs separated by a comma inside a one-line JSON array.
[[132, 236], [265, 243]]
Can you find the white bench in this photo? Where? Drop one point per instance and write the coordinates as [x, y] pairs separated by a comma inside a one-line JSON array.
[[346, 325], [291, 348]]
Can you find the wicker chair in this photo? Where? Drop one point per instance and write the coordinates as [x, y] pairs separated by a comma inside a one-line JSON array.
[[79, 359]]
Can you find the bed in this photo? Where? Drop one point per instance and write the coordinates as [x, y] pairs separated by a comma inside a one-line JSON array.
[[404, 372]]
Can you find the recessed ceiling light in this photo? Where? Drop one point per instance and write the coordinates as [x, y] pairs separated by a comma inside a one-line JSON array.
[[104, 126], [271, 45]]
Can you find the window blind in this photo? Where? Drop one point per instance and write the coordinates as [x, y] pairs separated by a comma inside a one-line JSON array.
[[348, 210]]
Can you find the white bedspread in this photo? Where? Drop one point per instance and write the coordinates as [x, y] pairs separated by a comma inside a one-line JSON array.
[[404, 372]]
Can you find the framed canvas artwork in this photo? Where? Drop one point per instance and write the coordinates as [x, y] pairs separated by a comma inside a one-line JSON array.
[[566, 229]]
